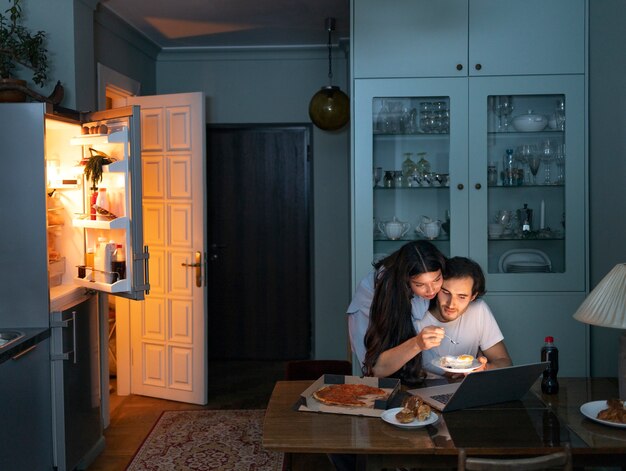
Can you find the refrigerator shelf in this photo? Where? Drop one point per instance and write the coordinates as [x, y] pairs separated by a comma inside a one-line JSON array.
[[90, 139], [117, 166], [117, 287], [117, 223]]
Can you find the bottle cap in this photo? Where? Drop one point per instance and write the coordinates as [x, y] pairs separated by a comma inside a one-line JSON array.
[[549, 339]]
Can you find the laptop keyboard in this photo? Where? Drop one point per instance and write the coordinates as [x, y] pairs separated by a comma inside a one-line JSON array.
[[443, 398]]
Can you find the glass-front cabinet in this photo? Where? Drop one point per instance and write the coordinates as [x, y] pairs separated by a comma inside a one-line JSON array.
[[486, 167]]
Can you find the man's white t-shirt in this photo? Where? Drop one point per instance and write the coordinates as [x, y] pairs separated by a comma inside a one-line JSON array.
[[475, 328]]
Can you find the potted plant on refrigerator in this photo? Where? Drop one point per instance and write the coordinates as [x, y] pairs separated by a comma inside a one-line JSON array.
[[22, 49]]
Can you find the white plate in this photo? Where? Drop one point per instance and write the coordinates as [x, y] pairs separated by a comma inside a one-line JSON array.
[[524, 257], [389, 416], [591, 409], [475, 364]]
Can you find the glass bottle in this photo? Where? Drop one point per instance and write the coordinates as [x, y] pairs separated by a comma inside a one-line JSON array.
[[549, 352], [388, 180], [508, 169]]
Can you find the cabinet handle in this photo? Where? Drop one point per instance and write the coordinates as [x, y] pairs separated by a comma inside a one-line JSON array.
[[24, 352], [478, 66], [74, 337], [478, 186], [459, 67], [460, 186]]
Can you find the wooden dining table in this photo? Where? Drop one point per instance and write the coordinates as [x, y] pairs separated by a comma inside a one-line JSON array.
[[537, 424]]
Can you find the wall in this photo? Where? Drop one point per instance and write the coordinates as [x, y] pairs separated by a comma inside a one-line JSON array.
[[275, 86], [607, 162], [125, 50]]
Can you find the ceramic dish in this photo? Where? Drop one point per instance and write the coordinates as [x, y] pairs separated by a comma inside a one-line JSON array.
[[528, 260], [475, 364], [591, 409], [389, 416]]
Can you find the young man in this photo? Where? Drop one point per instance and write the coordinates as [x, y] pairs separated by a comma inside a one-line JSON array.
[[465, 319]]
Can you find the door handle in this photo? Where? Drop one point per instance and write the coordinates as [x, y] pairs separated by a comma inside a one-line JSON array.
[[198, 266]]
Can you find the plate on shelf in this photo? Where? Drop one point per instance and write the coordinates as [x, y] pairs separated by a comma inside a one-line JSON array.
[[591, 409], [389, 416], [525, 261]]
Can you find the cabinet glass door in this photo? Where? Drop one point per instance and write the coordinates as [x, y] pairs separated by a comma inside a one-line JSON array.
[[405, 140], [533, 170]]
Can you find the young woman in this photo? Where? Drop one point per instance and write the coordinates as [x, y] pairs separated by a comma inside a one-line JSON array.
[[386, 307]]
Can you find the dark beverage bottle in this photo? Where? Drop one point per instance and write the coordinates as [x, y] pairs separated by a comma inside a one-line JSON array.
[[118, 264], [549, 352]]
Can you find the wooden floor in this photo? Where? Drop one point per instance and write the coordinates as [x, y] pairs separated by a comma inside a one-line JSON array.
[[234, 385]]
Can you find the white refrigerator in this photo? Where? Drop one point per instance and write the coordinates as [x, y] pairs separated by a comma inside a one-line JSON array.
[[47, 205]]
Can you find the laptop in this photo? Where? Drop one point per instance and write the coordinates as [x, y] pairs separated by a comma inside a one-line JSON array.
[[483, 388]]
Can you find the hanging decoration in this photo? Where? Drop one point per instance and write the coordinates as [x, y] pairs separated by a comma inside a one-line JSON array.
[[329, 108]]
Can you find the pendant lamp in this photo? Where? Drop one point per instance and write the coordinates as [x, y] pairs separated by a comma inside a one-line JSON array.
[[329, 108]]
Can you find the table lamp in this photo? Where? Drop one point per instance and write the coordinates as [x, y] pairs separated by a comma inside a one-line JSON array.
[[606, 306]]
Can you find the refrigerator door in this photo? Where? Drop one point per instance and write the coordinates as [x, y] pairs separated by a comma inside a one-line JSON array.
[[108, 144]]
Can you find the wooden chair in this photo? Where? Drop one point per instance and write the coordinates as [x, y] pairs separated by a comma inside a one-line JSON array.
[[557, 460], [313, 369]]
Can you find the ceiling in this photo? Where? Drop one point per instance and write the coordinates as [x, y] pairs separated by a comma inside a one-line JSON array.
[[234, 23]]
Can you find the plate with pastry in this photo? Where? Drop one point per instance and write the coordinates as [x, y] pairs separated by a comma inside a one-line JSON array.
[[611, 412], [414, 413], [407, 421], [457, 364]]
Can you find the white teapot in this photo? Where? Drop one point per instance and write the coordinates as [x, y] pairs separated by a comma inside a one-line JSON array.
[[428, 228], [394, 229]]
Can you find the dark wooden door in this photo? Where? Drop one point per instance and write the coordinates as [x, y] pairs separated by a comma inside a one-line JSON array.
[[259, 242]]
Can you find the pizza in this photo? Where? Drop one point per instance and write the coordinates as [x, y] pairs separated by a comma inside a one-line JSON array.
[[349, 395]]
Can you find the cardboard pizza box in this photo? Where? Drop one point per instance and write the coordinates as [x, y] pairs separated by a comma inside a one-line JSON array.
[[307, 403]]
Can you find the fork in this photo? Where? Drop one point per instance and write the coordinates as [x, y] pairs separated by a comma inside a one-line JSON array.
[[450, 339]]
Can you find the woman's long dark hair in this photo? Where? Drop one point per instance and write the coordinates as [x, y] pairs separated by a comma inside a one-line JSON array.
[[390, 313]]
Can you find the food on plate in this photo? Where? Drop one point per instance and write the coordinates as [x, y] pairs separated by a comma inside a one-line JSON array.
[[413, 407], [349, 395], [615, 412], [461, 361], [405, 416]]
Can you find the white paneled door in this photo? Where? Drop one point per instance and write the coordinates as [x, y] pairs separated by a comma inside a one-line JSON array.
[[167, 330]]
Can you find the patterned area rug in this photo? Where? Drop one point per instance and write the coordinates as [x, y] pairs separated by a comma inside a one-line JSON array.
[[202, 440]]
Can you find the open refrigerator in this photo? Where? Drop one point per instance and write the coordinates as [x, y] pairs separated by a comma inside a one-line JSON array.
[[75, 227], [48, 207]]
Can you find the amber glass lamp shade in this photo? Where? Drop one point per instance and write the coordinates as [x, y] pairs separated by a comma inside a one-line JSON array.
[[329, 108]]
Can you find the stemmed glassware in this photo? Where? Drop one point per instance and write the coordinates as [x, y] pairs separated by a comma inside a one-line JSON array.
[[528, 154], [534, 161], [547, 155], [505, 108], [378, 175], [559, 114], [559, 159]]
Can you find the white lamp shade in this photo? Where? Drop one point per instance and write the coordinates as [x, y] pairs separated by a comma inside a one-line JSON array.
[[606, 304]]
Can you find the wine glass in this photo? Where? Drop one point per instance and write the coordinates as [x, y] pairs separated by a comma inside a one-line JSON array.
[[522, 154], [534, 161], [559, 114], [559, 159], [378, 175], [506, 108], [547, 155]]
